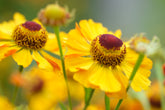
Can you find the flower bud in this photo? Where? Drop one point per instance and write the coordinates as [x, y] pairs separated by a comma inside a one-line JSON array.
[[55, 15], [142, 44]]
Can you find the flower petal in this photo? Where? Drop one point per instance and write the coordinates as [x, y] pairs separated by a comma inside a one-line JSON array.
[[90, 29], [81, 45], [52, 40], [132, 57], [42, 62], [124, 83], [76, 62], [55, 63], [23, 57], [6, 51], [19, 18], [98, 77], [6, 29], [104, 79], [140, 80]]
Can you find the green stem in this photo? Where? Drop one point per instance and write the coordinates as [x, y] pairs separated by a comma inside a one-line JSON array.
[[1, 90], [136, 67], [16, 89], [56, 30], [62, 106], [160, 77], [88, 95], [107, 103]]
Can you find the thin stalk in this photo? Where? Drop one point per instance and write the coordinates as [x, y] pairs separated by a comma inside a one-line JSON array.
[[160, 77], [88, 95], [107, 103], [1, 90], [16, 89], [56, 30], [62, 106], [136, 67]]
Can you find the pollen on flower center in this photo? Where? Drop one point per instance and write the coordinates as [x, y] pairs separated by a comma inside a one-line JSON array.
[[30, 35], [108, 50]]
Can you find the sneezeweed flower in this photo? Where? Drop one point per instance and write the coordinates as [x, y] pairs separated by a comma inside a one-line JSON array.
[[154, 95], [101, 60], [24, 41], [5, 104], [42, 87], [55, 15], [141, 44]]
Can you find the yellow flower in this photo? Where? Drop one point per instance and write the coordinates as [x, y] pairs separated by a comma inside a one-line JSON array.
[[43, 87], [24, 41], [5, 104], [100, 59]]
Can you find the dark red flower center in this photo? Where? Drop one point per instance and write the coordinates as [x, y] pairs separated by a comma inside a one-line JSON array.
[[37, 86], [109, 41], [32, 26]]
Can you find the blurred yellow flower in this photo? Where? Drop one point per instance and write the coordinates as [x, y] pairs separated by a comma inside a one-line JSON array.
[[43, 88], [153, 94], [100, 59], [5, 104], [25, 41]]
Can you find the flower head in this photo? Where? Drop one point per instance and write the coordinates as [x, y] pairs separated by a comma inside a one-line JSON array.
[[55, 15], [154, 95], [100, 59], [141, 44], [24, 41], [42, 86], [30, 35], [108, 50]]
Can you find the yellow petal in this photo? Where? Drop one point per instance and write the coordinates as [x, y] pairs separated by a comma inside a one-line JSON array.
[[5, 104], [6, 29], [52, 40], [98, 77], [75, 63], [23, 57], [104, 79], [82, 76], [124, 83], [42, 62], [140, 80], [19, 18], [132, 57], [91, 29], [118, 33], [81, 45], [55, 63], [7, 49]]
